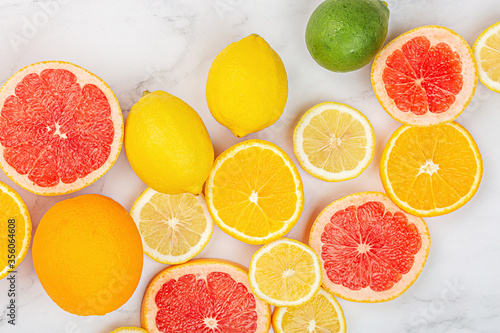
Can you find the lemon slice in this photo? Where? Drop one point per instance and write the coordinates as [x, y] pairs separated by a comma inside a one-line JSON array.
[[285, 273], [254, 192], [487, 53], [16, 230], [174, 227], [334, 142], [129, 330], [322, 314]]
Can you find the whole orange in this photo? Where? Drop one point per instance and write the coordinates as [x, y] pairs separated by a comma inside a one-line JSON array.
[[87, 254]]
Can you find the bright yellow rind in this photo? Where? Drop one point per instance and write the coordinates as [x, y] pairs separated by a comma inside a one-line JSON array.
[[486, 50], [129, 330]]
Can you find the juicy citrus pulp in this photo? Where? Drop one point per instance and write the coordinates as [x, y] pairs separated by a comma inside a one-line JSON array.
[[322, 314], [487, 53], [334, 142], [247, 86], [87, 254], [61, 128], [167, 144], [254, 192], [285, 273], [431, 171], [203, 295], [425, 76], [16, 230], [174, 227], [345, 35], [129, 330], [370, 250]]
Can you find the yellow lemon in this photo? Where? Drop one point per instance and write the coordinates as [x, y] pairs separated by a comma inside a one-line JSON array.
[[167, 144], [247, 86]]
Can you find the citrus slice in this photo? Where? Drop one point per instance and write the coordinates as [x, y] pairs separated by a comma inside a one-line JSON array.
[[370, 250], [61, 128], [174, 227], [425, 76], [16, 230], [129, 330], [431, 171], [322, 314], [285, 273], [203, 295], [487, 53], [254, 192], [334, 142]]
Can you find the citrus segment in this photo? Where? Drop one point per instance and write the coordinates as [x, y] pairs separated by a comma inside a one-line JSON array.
[[322, 314], [16, 230], [285, 273], [254, 192], [174, 227], [203, 295], [425, 76], [431, 171], [487, 53], [334, 142], [370, 250]]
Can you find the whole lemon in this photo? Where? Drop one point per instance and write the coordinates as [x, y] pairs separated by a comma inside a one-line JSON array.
[[247, 86], [167, 144], [87, 254]]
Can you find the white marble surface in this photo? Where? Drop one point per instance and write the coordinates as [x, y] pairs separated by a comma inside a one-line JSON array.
[[169, 45]]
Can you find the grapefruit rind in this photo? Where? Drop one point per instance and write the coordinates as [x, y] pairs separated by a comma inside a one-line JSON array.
[[201, 268], [366, 295], [436, 211], [154, 254], [435, 34], [476, 49], [282, 303], [83, 77], [279, 312], [298, 143], [209, 185]]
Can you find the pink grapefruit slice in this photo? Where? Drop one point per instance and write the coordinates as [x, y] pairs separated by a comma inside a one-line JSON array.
[[203, 295], [370, 250], [425, 76], [61, 128]]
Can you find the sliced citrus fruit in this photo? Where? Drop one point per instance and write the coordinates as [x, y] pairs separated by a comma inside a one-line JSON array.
[[15, 224], [425, 76], [431, 171], [174, 227], [254, 192], [285, 273], [370, 250], [322, 314], [334, 142], [487, 53], [203, 295], [61, 128], [129, 330]]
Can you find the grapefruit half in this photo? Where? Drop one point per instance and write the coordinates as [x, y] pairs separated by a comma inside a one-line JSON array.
[[203, 295], [425, 76], [61, 128], [370, 250]]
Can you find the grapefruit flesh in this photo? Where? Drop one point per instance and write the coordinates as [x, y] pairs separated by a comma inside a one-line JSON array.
[[203, 295], [371, 251], [60, 128]]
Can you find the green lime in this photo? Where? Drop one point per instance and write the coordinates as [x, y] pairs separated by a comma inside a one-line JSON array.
[[345, 35]]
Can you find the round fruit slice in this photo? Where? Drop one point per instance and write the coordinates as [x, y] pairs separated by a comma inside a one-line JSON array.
[[203, 295], [174, 227], [431, 171], [370, 250], [61, 128], [334, 142], [487, 53], [129, 330], [285, 273], [322, 314], [425, 76], [15, 224], [254, 192]]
